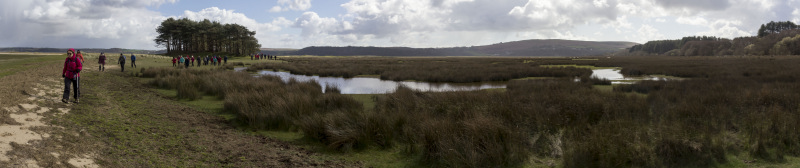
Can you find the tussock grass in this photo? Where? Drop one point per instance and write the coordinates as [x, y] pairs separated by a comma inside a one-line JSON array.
[[261, 102], [686, 123], [644, 87]]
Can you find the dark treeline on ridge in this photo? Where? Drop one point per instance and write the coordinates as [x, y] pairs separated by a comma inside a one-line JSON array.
[[551, 47], [188, 36], [774, 38]]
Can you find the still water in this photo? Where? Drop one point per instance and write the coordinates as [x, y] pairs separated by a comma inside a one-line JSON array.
[[610, 74], [367, 85], [616, 77]]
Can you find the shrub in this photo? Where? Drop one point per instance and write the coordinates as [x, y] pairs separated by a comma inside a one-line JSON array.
[[686, 123], [188, 91]]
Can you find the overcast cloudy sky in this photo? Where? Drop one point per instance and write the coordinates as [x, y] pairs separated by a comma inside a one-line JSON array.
[[413, 23]]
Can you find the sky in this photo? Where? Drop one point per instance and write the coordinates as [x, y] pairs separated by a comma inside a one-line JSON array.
[[386, 23]]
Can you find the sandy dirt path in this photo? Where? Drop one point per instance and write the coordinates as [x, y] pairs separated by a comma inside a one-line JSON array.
[[38, 130], [30, 100]]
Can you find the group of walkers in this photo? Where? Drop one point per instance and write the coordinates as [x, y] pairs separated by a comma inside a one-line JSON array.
[[187, 60], [72, 69], [261, 56], [121, 61], [74, 64]]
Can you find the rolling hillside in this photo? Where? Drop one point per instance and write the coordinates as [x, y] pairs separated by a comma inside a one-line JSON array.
[[516, 48]]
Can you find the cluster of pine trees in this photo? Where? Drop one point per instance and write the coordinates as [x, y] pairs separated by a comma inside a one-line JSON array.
[[774, 38], [182, 36], [775, 27]]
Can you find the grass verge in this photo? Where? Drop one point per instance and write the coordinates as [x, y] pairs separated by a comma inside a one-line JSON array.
[[10, 63], [140, 127]]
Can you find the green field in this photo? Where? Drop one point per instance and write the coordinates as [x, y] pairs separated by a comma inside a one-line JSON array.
[[12, 63], [725, 112]]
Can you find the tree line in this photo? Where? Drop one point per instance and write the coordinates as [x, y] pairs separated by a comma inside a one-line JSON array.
[[775, 27], [516, 48], [183, 36], [774, 38]]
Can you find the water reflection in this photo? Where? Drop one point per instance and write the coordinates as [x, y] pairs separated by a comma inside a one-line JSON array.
[[610, 74], [362, 85], [617, 78]]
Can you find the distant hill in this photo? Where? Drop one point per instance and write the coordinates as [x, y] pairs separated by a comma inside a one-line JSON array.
[[551, 47], [88, 50], [278, 51]]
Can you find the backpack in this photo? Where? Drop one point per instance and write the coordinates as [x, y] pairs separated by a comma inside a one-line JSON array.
[[73, 64], [73, 67]]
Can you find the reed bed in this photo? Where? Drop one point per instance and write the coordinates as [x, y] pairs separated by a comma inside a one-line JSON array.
[[261, 102], [699, 122]]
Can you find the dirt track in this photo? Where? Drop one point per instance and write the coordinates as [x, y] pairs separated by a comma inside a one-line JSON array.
[[30, 100], [122, 123]]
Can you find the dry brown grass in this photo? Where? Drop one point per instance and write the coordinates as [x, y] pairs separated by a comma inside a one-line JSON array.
[[691, 123]]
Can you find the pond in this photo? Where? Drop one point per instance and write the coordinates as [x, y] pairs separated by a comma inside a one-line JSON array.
[[616, 77], [371, 85], [367, 85]]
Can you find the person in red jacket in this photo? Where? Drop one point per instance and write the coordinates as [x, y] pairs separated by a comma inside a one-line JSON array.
[[71, 72], [80, 56], [174, 59]]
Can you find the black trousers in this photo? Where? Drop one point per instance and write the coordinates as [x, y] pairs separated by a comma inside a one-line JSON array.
[[74, 82]]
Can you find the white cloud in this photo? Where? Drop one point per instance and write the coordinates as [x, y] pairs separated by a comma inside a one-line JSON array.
[[647, 32], [726, 29], [266, 33], [619, 24], [697, 21], [695, 5], [296, 5], [600, 3], [276, 9], [796, 14], [795, 11], [416, 23], [371, 17], [395, 22], [79, 23], [399, 20], [225, 16], [312, 25]]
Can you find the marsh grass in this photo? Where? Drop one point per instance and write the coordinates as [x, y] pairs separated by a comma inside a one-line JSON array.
[[687, 123], [644, 87], [262, 102]]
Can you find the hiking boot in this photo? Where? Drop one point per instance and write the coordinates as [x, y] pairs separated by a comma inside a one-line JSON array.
[[64, 100], [75, 101]]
